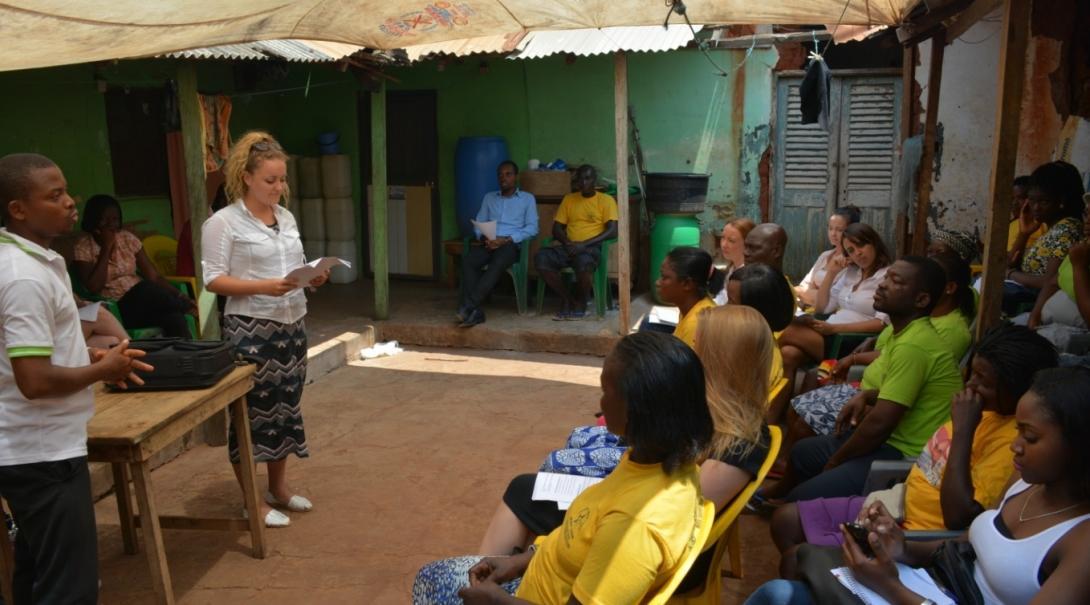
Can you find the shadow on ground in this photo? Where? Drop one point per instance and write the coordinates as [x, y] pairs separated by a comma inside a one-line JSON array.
[[409, 457]]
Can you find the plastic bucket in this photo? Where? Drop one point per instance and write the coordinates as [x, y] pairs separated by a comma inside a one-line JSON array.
[[670, 231], [676, 192]]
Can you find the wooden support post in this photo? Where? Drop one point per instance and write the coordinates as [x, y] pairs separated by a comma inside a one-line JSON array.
[[620, 133], [193, 148], [908, 121], [1008, 112], [380, 248], [927, 161]]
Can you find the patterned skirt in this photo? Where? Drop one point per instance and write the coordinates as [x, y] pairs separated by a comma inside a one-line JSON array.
[[820, 407], [438, 582], [280, 352]]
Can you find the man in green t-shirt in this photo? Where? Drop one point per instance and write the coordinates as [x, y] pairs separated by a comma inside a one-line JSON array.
[[894, 419]]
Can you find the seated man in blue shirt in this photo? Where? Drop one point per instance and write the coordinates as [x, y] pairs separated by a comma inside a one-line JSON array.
[[515, 213]]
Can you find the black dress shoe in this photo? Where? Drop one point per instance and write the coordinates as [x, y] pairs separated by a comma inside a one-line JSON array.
[[462, 313], [474, 317]]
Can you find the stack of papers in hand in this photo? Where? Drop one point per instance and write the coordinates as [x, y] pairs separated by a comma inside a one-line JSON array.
[[316, 268], [664, 315], [487, 229], [561, 488], [913, 578], [89, 312]]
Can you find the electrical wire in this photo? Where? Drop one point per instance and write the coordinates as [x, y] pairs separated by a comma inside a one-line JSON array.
[[835, 27], [679, 8]]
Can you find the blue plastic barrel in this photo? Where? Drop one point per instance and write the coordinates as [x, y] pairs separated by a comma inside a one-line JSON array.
[[475, 162]]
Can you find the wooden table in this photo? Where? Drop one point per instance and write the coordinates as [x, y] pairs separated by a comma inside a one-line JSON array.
[[129, 428]]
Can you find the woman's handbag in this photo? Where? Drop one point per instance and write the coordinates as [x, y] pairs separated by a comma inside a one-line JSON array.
[[952, 567]]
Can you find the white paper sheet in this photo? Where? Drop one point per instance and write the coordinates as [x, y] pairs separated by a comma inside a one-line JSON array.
[[914, 579], [487, 229], [315, 268], [560, 488], [664, 315], [89, 312]]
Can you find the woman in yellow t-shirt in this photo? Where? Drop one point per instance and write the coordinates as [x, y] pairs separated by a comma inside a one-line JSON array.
[[623, 538], [683, 281], [964, 466]]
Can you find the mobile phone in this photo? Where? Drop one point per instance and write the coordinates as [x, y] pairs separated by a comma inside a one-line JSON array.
[[859, 534]]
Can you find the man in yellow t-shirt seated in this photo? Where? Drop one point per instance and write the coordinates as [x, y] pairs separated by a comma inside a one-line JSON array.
[[584, 220]]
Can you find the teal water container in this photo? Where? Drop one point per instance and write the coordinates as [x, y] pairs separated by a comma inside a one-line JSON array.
[[670, 231]]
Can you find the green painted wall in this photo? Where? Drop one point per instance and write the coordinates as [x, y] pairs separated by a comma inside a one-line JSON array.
[[60, 113], [471, 102], [552, 108], [690, 118]]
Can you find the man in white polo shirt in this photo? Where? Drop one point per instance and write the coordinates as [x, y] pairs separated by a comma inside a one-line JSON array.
[[46, 373]]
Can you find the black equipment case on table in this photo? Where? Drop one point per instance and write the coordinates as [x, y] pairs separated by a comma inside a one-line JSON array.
[[183, 364]]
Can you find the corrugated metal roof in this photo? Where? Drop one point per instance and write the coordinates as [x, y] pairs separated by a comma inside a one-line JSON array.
[[301, 51], [41, 33], [499, 43], [586, 42]]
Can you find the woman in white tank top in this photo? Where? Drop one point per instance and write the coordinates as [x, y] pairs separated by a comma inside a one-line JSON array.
[[1036, 547]]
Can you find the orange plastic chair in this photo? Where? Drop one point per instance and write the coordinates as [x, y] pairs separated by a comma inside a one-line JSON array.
[[724, 536]]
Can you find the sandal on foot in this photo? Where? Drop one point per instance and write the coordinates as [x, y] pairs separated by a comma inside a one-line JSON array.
[[296, 503], [273, 518]]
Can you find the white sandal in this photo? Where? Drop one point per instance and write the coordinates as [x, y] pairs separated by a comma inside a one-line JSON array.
[[296, 503], [273, 518]]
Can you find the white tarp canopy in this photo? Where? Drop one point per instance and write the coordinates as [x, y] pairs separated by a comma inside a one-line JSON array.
[[41, 33]]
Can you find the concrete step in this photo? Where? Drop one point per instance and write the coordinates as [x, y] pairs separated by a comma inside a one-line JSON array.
[[538, 338]]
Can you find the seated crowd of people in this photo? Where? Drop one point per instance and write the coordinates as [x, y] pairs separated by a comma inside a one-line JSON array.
[[868, 364]]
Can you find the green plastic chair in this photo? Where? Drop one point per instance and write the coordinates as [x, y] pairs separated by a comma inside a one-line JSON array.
[[519, 271], [111, 306], [599, 284]]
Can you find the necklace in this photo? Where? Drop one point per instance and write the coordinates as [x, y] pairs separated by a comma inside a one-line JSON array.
[[1022, 518]]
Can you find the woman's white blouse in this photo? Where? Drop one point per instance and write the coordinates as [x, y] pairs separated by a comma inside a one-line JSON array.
[[850, 304], [816, 276], [235, 243]]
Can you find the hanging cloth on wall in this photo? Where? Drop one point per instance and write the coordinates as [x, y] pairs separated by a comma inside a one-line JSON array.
[[814, 92], [215, 116]]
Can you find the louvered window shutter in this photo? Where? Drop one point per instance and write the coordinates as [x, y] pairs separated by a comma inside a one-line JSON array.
[[805, 178], [869, 135]]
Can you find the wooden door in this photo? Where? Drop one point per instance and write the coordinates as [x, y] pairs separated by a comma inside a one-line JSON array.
[[412, 164], [868, 166], [853, 163], [805, 177]]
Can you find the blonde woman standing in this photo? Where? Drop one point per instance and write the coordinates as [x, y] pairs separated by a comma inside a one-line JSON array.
[[247, 249]]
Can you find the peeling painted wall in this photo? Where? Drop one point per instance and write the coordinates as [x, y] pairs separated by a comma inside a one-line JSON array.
[[967, 116], [967, 108]]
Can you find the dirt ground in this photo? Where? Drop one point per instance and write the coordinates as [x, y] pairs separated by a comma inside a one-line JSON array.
[[409, 456]]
